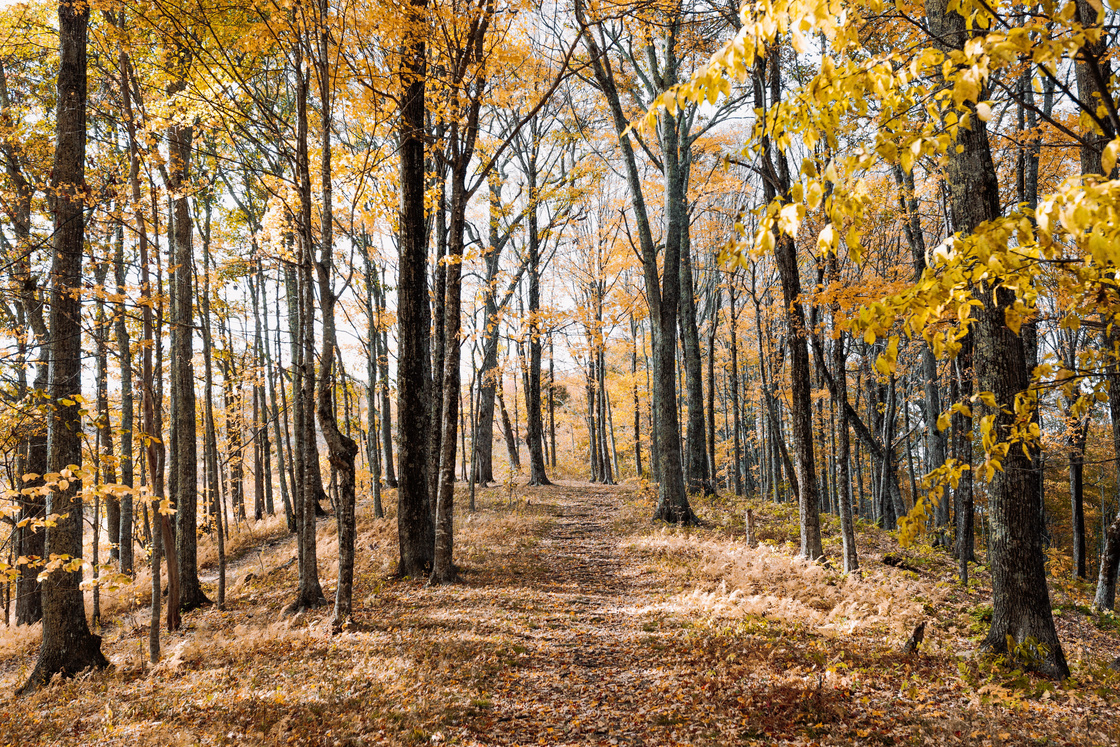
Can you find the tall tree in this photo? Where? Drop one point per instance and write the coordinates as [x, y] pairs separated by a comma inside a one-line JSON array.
[[68, 647], [662, 288], [414, 517], [184, 446], [1020, 596], [342, 448], [776, 185]]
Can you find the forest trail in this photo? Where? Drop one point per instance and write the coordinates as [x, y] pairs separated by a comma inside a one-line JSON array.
[[584, 647], [576, 621]]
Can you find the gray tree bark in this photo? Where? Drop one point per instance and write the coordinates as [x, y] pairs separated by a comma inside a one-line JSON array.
[[1020, 597], [68, 647]]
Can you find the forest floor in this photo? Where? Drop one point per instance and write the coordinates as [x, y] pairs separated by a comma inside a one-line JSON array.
[[578, 621]]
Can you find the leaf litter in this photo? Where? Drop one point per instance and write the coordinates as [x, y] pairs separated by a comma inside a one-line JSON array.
[[577, 621]]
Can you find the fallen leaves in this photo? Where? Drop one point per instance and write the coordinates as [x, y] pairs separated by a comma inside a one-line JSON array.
[[575, 624]]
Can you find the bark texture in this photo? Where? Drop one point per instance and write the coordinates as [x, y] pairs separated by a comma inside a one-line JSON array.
[[68, 647], [1020, 597]]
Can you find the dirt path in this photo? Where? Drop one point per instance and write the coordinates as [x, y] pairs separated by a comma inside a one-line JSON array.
[[584, 673]]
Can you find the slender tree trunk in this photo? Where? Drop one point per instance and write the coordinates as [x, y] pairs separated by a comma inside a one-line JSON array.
[[696, 440], [533, 422], [210, 450], [510, 436], [386, 410], [309, 592], [278, 431], [734, 385], [637, 403], [343, 450], [785, 255], [127, 415], [1105, 598], [438, 343], [373, 353], [662, 293], [180, 143], [552, 403], [713, 471], [104, 426], [1076, 454]]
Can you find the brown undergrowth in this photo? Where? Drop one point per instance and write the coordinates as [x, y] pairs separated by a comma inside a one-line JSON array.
[[576, 621]]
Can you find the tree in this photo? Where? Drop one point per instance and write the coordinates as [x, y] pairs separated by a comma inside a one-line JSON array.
[[414, 516], [342, 448], [662, 290], [953, 66], [68, 647], [183, 447]]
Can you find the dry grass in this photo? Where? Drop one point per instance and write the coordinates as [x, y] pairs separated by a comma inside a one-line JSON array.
[[576, 621]]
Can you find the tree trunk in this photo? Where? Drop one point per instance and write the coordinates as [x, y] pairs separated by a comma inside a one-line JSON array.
[[68, 647], [1076, 454], [1105, 598], [180, 141], [533, 422], [1020, 597], [373, 354], [341, 447], [510, 436], [414, 518], [386, 409], [937, 439], [438, 342], [661, 292], [696, 440], [309, 592], [278, 431], [637, 403], [713, 471], [128, 415], [733, 375]]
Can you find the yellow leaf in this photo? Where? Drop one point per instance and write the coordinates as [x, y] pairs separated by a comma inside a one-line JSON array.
[[1108, 158]]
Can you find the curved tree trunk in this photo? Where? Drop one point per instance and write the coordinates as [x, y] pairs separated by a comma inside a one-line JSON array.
[[342, 448], [309, 592]]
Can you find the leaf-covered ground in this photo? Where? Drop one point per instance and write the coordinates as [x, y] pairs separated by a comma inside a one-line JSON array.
[[578, 622]]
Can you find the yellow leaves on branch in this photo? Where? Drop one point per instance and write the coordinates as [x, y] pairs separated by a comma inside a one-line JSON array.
[[905, 106]]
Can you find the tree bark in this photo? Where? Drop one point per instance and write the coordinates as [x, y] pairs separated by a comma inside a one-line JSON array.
[[777, 183], [414, 517], [343, 450], [533, 421], [180, 142], [68, 647], [1020, 597], [733, 375], [661, 292], [309, 592]]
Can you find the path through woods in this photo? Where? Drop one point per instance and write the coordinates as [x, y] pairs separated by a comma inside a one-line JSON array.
[[577, 622]]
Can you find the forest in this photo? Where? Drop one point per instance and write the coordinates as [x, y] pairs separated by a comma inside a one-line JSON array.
[[315, 316]]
